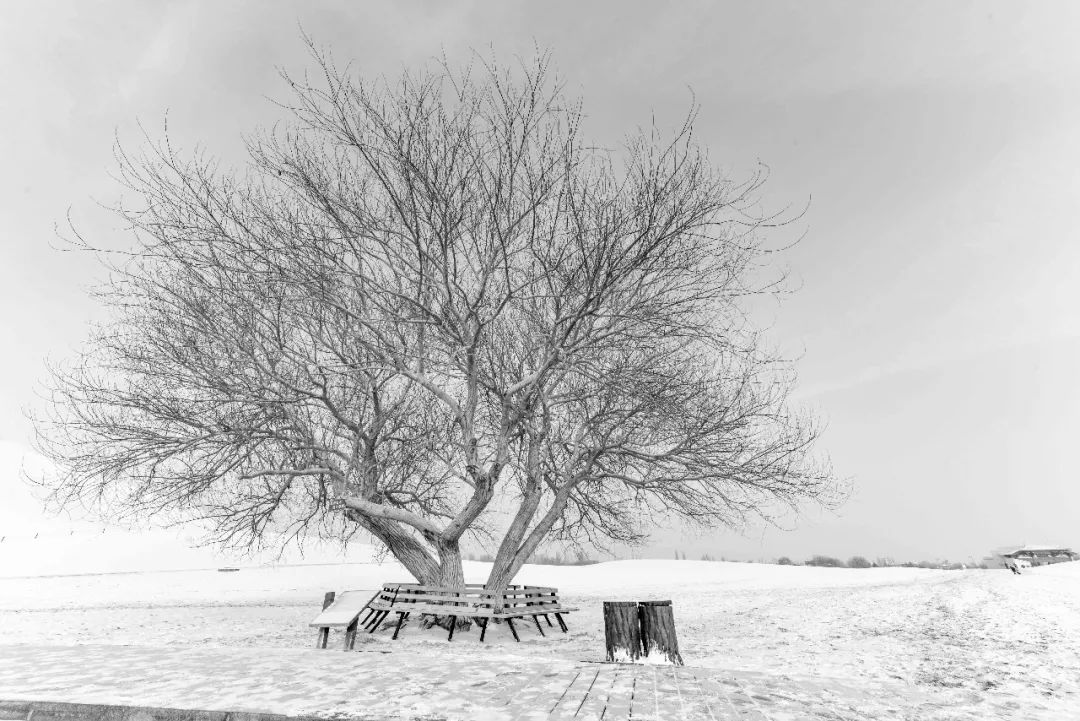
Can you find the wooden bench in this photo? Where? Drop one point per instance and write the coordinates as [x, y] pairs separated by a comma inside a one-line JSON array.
[[469, 601], [342, 612]]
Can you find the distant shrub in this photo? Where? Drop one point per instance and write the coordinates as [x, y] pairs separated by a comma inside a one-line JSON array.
[[858, 562], [578, 559], [930, 564], [827, 561], [784, 561]]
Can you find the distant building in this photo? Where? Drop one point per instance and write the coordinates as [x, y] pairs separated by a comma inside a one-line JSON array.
[[1040, 555]]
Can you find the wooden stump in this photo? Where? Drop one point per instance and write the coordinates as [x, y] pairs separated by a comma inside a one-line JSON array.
[[622, 635], [658, 632]]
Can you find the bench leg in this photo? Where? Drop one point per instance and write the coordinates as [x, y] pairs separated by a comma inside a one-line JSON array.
[[350, 637], [562, 623], [483, 629], [538, 626], [453, 625], [367, 616], [378, 619], [400, 617], [324, 634], [548, 619], [510, 623]]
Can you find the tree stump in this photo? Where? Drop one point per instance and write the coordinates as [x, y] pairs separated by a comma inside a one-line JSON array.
[[658, 637], [622, 634]]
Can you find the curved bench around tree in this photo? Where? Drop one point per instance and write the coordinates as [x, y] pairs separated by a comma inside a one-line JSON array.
[[470, 601]]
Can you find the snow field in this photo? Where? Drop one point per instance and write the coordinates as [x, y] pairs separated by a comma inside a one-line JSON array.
[[892, 643]]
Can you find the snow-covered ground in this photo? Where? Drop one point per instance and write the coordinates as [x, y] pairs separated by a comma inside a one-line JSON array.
[[874, 643]]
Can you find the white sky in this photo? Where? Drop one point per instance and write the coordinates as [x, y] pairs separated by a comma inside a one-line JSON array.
[[938, 316]]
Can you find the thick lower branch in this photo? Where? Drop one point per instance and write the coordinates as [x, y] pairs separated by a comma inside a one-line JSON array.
[[482, 494], [405, 548], [377, 510]]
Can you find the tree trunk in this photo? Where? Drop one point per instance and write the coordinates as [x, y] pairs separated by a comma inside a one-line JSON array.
[[406, 549], [503, 569], [508, 564], [498, 578], [447, 571], [451, 569], [496, 583], [658, 632], [622, 635]]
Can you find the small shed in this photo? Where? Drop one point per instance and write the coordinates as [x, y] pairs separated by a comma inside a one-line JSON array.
[[1032, 555]]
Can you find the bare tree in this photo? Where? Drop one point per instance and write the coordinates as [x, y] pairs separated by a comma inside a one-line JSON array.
[[429, 309]]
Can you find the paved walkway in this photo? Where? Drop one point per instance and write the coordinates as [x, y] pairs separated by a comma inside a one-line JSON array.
[[405, 684]]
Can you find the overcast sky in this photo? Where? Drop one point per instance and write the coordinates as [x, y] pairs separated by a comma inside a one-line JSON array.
[[937, 145]]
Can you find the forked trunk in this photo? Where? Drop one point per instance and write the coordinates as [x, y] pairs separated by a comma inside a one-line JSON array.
[[507, 561], [451, 574], [517, 547], [448, 571], [406, 549], [417, 560]]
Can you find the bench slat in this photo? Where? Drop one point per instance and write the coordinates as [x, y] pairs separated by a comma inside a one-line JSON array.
[[469, 588], [483, 596], [533, 611], [433, 598], [343, 611], [438, 610], [472, 600], [404, 599]]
